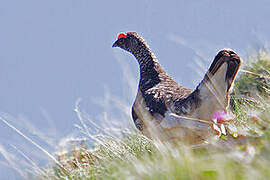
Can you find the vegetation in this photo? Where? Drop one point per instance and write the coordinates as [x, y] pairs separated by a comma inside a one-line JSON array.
[[241, 154]]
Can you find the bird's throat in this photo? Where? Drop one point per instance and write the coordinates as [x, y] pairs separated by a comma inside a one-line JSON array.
[[149, 75]]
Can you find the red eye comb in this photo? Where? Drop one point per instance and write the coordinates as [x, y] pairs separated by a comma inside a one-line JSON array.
[[121, 35]]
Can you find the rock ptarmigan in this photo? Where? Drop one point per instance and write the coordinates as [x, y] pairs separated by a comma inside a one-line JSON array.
[[163, 108]]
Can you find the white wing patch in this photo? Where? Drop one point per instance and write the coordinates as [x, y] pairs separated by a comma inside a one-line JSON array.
[[172, 120]]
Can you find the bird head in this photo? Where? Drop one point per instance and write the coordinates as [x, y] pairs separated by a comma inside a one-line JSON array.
[[129, 41]]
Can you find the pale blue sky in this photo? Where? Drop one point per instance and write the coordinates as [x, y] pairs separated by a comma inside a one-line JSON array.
[[55, 51]]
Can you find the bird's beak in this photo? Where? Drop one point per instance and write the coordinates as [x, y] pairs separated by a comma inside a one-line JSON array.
[[115, 44]]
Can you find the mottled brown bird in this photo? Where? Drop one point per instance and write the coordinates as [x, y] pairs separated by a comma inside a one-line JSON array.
[[165, 109]]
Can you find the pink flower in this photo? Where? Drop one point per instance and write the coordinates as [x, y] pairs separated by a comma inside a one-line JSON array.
[[221, 116], [218, 118]]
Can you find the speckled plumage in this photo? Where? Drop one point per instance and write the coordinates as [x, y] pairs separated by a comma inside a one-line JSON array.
[[159, 95]]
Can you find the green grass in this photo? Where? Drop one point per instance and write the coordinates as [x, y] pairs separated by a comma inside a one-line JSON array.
[[243, 154]]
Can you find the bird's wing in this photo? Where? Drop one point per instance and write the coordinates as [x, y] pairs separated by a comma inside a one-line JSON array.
[[172, 121], [175, 128]]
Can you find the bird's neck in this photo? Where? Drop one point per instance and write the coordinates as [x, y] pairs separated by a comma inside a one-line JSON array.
[[150, 69]]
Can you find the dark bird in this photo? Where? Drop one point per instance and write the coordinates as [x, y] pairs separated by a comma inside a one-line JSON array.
[[165, 108]]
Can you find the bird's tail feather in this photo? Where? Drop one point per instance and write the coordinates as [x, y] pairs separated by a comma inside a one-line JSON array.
[[220, 76]]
